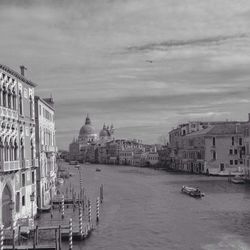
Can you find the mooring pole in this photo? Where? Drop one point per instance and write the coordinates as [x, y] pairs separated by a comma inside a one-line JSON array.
[[80, 222], [59, 238], [97, 209], [70, 234], [62, 206], [1, 236]]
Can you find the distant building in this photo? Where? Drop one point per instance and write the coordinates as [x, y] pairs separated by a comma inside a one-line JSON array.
[[46, 150]]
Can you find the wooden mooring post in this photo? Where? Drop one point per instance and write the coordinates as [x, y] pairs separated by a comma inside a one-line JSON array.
[[1, 237], [70, 234]]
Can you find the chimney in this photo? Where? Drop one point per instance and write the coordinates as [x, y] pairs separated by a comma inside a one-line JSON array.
[[22, 68]]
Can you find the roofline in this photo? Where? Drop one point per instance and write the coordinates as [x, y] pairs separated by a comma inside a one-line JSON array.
[[17, 75], [44, 102]]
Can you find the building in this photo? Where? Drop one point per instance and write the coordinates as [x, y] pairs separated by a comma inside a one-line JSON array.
[[216, 149], [46, 151], [18, 161], [74, 151]]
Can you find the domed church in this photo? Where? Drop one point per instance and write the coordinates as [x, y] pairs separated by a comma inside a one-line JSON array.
[[87, 134]]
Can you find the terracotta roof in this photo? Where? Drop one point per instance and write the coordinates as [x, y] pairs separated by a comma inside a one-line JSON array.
[[17, 75]]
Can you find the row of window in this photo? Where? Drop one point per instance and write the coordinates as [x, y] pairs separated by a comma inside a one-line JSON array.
[[235, 162], [232, 141], [46, 114]]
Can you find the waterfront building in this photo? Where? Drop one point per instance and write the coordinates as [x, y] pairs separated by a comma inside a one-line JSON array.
[[18, 160], [46, 150], [152, 158], [216, 149], [74, 151]]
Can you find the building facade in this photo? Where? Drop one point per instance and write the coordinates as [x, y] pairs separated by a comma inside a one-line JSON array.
[[18, 161], [46, 151]]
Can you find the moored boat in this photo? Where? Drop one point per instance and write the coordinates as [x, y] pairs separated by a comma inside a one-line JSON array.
[[98, 170], [238, 179], [194, 192]]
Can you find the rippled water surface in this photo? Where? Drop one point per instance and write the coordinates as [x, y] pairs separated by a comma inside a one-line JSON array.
[[144, 209]]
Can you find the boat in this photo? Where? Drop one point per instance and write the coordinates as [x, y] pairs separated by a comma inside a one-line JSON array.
[[238, 179], [77, 166], [98, 170], [194, 192]]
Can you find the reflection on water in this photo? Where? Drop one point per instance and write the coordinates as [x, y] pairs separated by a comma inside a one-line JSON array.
[[144, 209]]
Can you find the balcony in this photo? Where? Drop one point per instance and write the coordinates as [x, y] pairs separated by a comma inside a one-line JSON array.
[[48, 148], [7, 166], [8, 113], [25, 164], [35, 162]]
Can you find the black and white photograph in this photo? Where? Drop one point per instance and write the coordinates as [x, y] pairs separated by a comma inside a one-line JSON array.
[[124, 125]]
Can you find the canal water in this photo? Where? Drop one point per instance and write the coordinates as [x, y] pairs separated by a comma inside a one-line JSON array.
[[144, 209]]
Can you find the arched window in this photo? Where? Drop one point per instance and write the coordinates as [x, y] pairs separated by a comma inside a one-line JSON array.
[[9, 99], [31, 107], [4, 96], [6, 151], [20, 103], [14, 100], [15, 151], [22, 150], [11, 151], [32, 149]]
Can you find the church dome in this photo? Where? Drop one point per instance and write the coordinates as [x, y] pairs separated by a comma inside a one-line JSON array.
[[87, 129]]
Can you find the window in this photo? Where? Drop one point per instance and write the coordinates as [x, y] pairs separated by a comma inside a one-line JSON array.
[[214, 155], [23, 179], [40, 110], [17, 202], [240, 141], [230, 151], [33, 177], [232, 141], [23, 200], [235, 151], [213, 141], [236, 162], [31, 107], [231, 162], [20, 103]]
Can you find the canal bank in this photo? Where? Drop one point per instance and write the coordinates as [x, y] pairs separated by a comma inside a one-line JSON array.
[[144, 209]]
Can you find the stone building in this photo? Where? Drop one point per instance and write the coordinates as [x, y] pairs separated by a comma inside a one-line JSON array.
[[18, 160], [46, 151]]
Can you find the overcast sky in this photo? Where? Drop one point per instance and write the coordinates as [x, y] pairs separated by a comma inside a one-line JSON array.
[[95, 57]]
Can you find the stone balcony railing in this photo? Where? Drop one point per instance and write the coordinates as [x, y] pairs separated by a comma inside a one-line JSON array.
[[8, 113], [7, 166], [48, 148], [35, 162]]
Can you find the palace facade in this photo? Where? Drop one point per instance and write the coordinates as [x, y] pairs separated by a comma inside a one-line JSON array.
[[18, 161]]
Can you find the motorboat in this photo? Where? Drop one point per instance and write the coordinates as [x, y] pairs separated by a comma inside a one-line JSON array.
[[191, 191], [77, 166], [98, 170], [238, 179]]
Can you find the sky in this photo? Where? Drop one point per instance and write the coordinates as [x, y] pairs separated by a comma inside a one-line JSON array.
[[143, 65]]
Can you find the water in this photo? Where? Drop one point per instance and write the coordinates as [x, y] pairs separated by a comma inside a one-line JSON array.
[[144, 209]]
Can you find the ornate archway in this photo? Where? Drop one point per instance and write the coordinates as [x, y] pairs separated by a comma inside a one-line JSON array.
[[6, 211]]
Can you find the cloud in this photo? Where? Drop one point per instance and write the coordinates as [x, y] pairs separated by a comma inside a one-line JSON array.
[[173, 44]]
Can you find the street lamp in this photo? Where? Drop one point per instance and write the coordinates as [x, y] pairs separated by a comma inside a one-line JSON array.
[[12, 206], [32, 198]]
